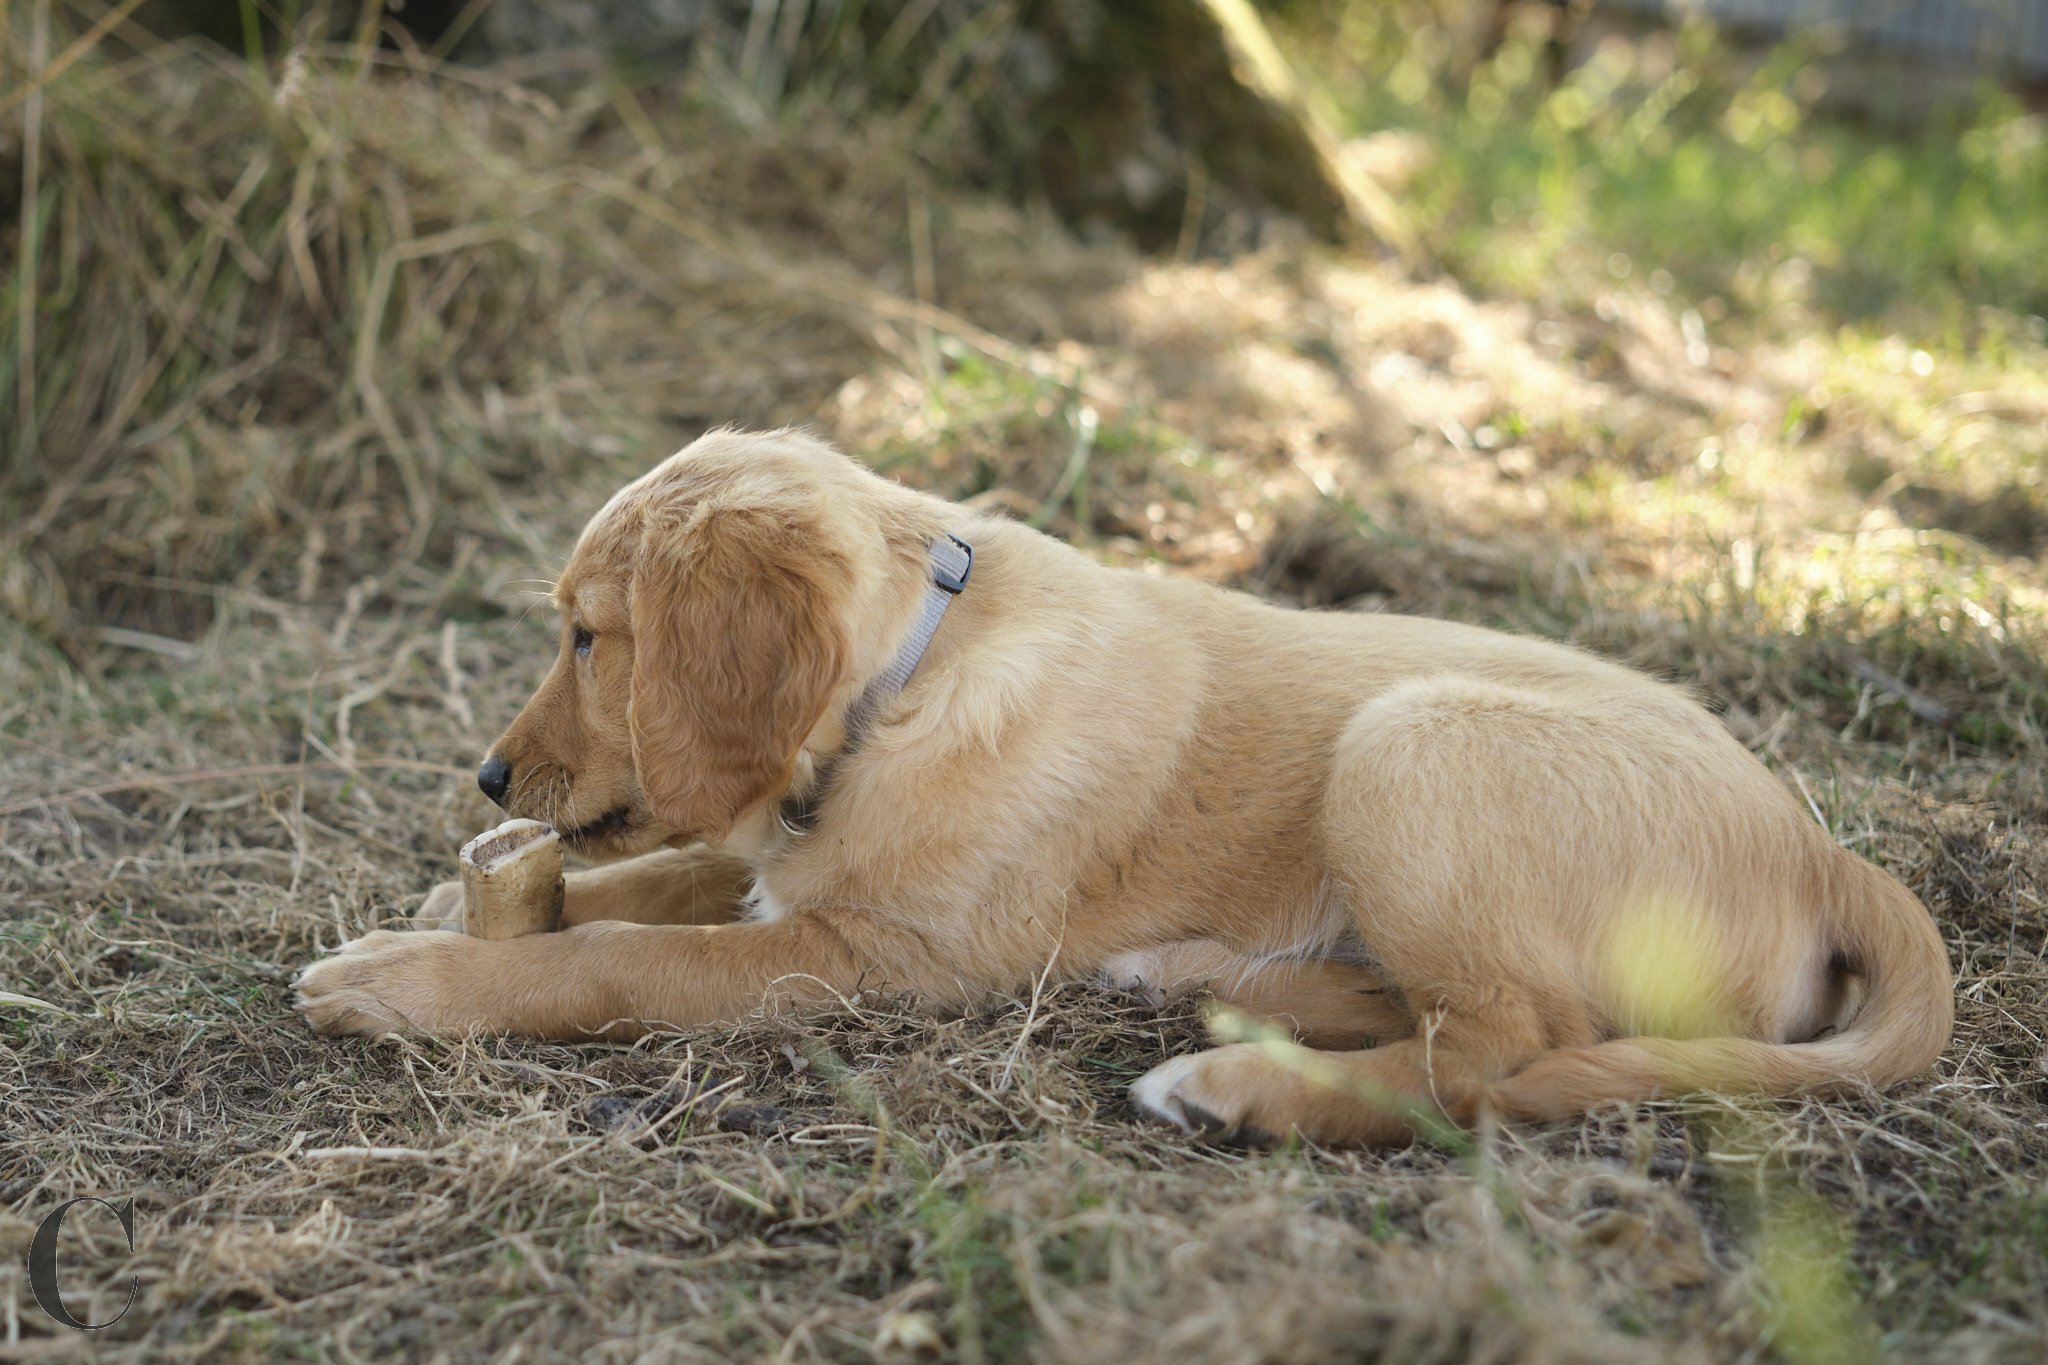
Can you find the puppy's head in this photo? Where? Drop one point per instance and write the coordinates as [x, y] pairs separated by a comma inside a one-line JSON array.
[[711, 617]]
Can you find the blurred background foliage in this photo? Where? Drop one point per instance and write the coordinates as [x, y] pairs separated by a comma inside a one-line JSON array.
[[1544, 139], [1523, 137], [310, 298]]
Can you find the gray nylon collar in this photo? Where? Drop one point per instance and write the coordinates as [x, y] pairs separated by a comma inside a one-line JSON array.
[[952, 560]]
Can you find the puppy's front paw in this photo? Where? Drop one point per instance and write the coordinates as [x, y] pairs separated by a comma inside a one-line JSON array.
[[386, 983], [442, 909], [1194, 1093]]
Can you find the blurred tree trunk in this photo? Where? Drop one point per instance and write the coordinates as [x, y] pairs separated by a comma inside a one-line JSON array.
[[1175, 121]]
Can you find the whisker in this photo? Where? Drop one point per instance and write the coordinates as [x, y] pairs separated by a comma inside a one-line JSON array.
[[529, 610]]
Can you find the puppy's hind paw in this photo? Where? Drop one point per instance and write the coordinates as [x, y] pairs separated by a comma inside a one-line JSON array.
[[1175, 1092], [1157, 1092], [1132, 972]]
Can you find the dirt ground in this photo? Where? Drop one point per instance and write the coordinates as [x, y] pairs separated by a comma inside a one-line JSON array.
[[252, 658]]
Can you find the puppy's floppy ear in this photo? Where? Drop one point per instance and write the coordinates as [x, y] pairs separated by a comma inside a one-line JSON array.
[[739, 641]]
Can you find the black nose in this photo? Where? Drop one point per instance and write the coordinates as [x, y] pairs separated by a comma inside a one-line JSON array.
[[495, 777]]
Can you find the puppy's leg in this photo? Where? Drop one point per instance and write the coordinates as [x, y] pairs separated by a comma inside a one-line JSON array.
[[607, 979], [1324, 1004], [669, 886], [695, 885], [1265, 1092]]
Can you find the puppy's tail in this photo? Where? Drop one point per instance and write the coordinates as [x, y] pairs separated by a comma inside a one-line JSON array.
[[1879, 931]]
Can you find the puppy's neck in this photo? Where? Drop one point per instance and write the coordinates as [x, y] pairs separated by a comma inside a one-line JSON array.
[[951, 567], [952, 562]]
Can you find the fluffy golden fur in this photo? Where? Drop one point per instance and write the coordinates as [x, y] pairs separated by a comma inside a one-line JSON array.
[[1535, 880]]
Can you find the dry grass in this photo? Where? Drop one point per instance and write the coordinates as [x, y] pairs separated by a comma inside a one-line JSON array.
[[299, 555]]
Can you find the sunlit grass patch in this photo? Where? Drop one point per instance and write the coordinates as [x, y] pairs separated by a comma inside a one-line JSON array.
[[1673, 157], [1076, 451]]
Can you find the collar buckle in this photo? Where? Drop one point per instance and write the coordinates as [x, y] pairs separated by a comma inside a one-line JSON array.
[[951, 563]]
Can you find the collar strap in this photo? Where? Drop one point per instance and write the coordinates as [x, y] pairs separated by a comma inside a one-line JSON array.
[[952, 559]]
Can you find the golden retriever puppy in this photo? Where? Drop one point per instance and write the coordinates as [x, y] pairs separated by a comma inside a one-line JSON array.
[[1533, 881]]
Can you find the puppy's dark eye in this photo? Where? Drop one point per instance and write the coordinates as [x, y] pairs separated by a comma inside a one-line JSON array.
[[582, 640]]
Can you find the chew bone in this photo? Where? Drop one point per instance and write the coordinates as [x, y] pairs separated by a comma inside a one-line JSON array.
[[512, 880]]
